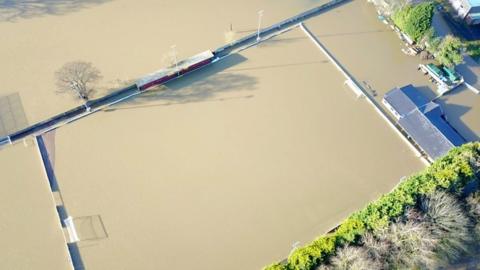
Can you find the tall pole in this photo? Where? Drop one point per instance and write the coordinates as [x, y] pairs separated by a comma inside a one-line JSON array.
[[260, 14], [175, 57], [294, 247], [74, 86]]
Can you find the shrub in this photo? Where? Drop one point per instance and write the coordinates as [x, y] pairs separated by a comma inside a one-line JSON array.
[[309, 256], [448, 222], [410, 245], [452, 173], [473, 48], [276, 266], [377, 250], [353, 258], [450, 51], [350, 230], [473, 204], [415, 21], [431, 41], [401, 17], [473, 207], [322, 267]]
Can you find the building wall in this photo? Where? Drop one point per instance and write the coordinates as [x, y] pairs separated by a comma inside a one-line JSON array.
[[471, 14], [473, 18], [391, 109], [461, 6]]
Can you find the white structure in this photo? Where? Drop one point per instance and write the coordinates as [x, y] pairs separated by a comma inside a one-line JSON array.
[[260, 14], [469, 10]]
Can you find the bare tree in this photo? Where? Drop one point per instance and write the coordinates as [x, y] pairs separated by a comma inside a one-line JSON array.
[[377, 250], [446, 219], [410, 245], [388, 7], [353, 258], [78, 77]]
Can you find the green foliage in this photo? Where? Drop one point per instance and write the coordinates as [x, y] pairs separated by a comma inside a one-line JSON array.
[[473, 208], [415, 21], [473, 48], [452, 172], [275, 266], [409, 245], [473, 204], [431, 40], [401, 17], [304, 258], [318, 251], [350, 230], [450, 51], [354, 258], [447, 221]]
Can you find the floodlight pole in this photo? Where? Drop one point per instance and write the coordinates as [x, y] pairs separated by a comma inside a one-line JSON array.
[[294, 247], [74, 86], [175, 57], [260, 14]]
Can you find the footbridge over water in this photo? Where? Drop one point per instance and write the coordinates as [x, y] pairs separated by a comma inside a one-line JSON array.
[[133, 90]]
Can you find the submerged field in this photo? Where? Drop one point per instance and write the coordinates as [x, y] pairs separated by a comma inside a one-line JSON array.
[[203, 174], [213, 165], [31, 234]]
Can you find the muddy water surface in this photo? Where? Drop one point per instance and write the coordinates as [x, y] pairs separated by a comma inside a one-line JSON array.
[[226, 168], [230, 166]]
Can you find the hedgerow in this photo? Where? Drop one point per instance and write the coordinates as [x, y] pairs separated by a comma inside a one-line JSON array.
[[414, 20], [451, 173]]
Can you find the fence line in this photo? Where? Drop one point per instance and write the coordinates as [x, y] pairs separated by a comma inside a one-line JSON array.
[[371, 100]]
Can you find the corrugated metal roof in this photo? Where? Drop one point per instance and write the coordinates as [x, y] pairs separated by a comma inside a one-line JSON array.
[[474, 3], [405, 99], [435, 136], [423, 121], [431, 108], [174, 68]]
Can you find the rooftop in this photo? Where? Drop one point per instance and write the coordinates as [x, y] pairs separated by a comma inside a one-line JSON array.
[[474, 3], [406, 99], [424, 122]]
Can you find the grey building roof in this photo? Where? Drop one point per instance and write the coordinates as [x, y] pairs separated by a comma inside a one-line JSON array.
[[433, 134], [423, 121], [405, 99]]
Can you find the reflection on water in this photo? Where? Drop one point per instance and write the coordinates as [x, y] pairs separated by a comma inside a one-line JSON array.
[[233, 164], [12, 10], [462, 107]]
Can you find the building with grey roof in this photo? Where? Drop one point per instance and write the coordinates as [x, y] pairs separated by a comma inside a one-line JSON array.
[[404, 100], [423, 121], [469, 10]]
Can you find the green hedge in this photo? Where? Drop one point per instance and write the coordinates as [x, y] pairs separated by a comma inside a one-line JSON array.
[[452, 172], [414, 20], [473, 48]]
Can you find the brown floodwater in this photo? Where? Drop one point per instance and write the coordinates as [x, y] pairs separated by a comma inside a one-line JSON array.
[[462, 108], [230, 166], [30, 230], [227, 167]]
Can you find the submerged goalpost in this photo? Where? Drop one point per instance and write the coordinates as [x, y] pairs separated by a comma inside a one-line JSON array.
[[72, 231]]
